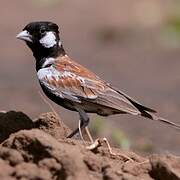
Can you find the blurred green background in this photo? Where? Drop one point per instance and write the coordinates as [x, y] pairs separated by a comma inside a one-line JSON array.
[[135, 45]]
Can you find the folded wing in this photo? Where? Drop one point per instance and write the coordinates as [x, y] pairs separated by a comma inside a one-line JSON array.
[[73, 82]]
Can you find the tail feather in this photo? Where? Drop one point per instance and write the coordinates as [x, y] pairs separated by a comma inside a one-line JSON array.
[[169, 122], [138, 105], [158, 118], [147, 112]]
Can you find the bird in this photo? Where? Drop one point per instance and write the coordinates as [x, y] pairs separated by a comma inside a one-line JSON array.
[[72, 86]]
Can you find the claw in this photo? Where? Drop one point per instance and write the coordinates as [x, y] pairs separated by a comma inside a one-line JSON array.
[[100, 141]]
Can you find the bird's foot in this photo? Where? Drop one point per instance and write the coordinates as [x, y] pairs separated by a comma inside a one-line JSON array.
[[142, 163], [100, 141]]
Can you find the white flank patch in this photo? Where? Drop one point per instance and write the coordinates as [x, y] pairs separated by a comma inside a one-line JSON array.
[[48, 61], [49, 40], [48, 73]]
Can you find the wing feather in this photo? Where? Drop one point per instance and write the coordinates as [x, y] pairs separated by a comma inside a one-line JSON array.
[[73, 82]]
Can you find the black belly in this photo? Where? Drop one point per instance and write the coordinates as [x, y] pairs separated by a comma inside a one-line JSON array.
[[58, 100]]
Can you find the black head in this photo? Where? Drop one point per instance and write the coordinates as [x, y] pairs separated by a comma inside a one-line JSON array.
[[42, 38]]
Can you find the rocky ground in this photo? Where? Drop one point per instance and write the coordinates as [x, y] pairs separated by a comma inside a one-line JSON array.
[[38, 149], [134, 45]]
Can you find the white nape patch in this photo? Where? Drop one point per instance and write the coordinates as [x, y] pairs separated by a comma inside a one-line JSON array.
[[49, 40], [48, 61]]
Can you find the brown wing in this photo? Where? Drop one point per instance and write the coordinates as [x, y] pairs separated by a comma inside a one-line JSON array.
[[66, 64], [71, 81]]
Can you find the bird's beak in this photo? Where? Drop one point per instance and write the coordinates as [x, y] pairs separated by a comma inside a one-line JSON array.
[[25, 36]]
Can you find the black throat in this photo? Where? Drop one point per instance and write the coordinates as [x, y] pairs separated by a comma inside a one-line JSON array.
[[41, 53]]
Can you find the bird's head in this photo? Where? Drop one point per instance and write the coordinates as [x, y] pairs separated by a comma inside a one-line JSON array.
[[42, 38]]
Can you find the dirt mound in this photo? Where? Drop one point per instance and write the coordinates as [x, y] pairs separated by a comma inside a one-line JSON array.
[[38, 149]]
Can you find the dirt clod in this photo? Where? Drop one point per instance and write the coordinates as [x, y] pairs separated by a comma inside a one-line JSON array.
[[39, 150], [11, 122], [51, 124], [165, 166]]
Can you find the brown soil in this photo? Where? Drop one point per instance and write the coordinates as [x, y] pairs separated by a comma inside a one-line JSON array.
[[38, 149], [123, 41]]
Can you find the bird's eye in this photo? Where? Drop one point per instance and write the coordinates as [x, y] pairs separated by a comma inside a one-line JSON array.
[[42, 31]]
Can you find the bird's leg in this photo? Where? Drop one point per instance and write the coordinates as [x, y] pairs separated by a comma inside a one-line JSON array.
[[83, 123], [85, 119], [76, 130], [89, 134], [108, 146], [80, 132]]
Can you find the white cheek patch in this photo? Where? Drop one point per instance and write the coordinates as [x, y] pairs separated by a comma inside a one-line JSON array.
[[49, 40]]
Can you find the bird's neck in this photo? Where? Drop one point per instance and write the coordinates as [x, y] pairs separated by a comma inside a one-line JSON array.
[[43, 54]]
